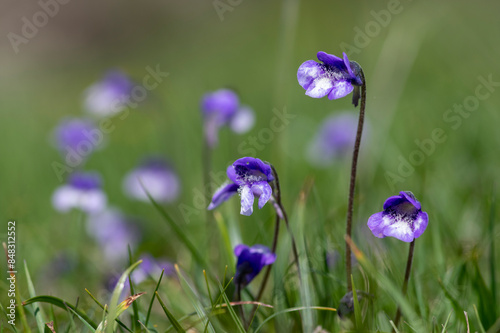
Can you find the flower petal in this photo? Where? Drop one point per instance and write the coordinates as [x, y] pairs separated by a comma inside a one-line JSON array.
[[348, 66], [377, 222], [225, 192], [331, 60], [264, 191], [253, 166], [239, 249], [247, 199], [411, 198], [231, 174], [399, 228], [65, 198], [243, 120], [308, 72], [320, 87], [340, 89], [420, 224]]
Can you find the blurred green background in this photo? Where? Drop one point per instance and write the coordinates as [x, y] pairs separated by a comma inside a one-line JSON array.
[[427, 58]]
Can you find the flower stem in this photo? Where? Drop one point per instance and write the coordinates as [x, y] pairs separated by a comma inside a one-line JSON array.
[[285, 217], [354, 166], [407, 278]]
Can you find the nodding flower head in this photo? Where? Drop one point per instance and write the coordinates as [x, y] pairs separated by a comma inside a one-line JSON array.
[[250, 262], [402, 218], [82, 191], [75, 138], [249, 177], [221, 108], [334, 77]]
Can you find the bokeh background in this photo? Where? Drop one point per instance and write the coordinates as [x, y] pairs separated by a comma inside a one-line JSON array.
[[427, 58]]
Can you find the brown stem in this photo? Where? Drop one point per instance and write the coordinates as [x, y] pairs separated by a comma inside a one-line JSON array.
[[407, 278], [354, 166]]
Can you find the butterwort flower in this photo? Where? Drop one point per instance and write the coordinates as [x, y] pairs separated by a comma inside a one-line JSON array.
[[82, 191], [76, 139], [250, 262], [109, 95], [402, 218], [334, 140], [157, 177], [113, 231], [222, 108], [249, 177], [334, 77]]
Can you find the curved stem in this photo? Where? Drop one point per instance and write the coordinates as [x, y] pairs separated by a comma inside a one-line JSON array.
[[354, 167], [407, 278]]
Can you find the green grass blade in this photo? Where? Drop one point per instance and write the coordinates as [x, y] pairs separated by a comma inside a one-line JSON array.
[[153, 298], [144, 326], [301, 308], [113, 306], [102, 307], [481, 327], [135, 310], [446, 323], [195, 299], [178, 231], [82, 320], [357, 309], [37, 310], [7, 318], [233, 314], [169, 315], [60, 304]]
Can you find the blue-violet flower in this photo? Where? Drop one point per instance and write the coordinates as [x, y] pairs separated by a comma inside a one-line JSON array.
[[250, 262], [335, 77], [249, 177], [402, 218]]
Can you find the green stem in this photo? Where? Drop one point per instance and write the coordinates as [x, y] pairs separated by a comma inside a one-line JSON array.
[[354, 166], [407, 278]]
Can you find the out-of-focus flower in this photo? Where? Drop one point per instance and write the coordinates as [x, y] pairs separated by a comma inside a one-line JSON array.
[[157, 177], [334, 140], [82, 191], [249, 177], [114, 232], [108, 96], [221, 108], [335, 77], [402, 218], [76, 139], [250, 262], [152, 267]]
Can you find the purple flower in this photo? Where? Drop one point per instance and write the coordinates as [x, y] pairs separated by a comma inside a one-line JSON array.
[[334, 140], [335, 77], [250, 262], [152, 267], [76, 139], [82, 191], [249, 177], [108, 96], [221, 108], [157, 177], [402, 218], [113, 232]]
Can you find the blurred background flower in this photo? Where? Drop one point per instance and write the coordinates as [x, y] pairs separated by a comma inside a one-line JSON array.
[[334, 139], [222, 108], [108, 96], [155, 175], [114, 232], [83, 191], [76, 139]]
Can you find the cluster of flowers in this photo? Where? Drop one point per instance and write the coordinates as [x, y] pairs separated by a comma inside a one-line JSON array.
[[77, 139]]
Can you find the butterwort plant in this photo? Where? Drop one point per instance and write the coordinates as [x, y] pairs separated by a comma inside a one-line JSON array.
[[251, 177], [402, 218], [336, 78]]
